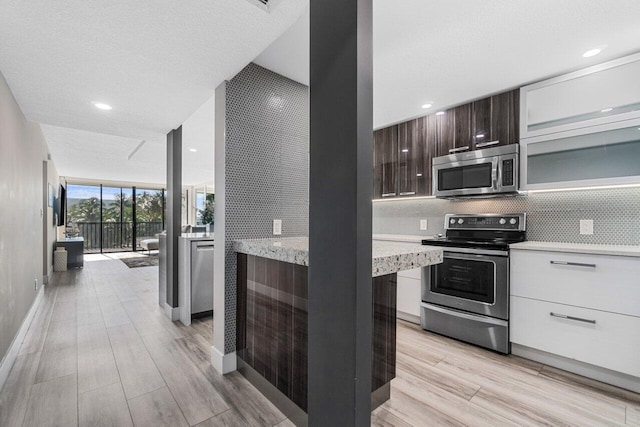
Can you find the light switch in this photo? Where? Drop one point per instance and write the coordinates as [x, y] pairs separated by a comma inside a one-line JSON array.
[[423, 224], [277, 227], [586, 226]]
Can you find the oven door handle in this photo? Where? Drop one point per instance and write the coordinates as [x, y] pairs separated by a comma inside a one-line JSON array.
[[471, 251], [456, 313]]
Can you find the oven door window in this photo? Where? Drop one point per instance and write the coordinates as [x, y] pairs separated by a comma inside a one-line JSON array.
[[465, 278], [471, 176]]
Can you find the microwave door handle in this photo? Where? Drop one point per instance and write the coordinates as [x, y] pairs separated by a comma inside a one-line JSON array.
[[496, 173]]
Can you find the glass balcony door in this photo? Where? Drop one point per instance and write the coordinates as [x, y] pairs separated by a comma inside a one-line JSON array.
[[114, 219]]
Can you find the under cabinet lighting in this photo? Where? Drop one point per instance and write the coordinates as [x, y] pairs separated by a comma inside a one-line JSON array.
[[591, 52], [606, 110], [427, 105], [440, 113], [102, 106], [600, 187]]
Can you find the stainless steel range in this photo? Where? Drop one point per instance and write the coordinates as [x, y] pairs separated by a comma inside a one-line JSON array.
[[467, 296]]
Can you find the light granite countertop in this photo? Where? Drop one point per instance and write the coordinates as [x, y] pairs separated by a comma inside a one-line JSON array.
[[408, 238], [580, 248], [388, 257]]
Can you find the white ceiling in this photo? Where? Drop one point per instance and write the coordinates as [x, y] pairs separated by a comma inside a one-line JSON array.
[[451, 51], [157, 63], [154, 61]]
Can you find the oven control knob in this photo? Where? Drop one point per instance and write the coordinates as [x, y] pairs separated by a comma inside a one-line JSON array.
[[512, 221], [453, 221], [460, 221], [502, 221]]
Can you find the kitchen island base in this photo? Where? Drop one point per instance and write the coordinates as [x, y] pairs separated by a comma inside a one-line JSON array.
[[271, 332]]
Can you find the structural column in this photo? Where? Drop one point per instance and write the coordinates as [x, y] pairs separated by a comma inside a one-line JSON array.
[[341, 182], [173, 217]]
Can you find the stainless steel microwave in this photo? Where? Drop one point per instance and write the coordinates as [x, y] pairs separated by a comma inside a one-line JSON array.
[[491, 171]]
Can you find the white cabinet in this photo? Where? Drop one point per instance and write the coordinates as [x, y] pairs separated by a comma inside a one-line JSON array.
[[599, 155], [600, 338], [409, 295], [604, 93], [582, 307]]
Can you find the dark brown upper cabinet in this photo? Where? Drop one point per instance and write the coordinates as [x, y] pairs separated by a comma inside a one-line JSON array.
[[495, 120], [403, 153], [454, 130], [385, 159]]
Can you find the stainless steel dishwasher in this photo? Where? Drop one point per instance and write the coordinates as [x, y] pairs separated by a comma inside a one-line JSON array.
[[202, 277]]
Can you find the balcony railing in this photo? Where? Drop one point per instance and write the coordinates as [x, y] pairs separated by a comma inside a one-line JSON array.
[[116, 236]]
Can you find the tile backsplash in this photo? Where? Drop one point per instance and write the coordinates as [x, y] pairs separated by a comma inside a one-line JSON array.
[[551, 217]]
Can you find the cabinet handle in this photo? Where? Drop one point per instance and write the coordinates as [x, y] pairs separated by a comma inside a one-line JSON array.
[[573, 264], [578, 319], [459, 149], [408, 193], [487, 144], [388, 194]]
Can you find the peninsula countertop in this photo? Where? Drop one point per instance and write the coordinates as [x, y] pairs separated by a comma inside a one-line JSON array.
[[388, 257]]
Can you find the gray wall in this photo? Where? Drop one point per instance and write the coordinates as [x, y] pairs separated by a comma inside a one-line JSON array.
[[552, 217], [266, 166], [22, 151]]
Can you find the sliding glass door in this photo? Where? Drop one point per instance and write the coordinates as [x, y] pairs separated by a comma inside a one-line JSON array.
[[114, 219]]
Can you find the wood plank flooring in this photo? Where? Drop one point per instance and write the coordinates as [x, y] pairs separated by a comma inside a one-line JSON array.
[[100, 352]]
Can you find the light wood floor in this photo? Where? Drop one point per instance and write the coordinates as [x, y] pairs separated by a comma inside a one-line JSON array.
[[100, 352]]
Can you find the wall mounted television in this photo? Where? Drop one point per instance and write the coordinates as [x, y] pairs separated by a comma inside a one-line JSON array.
[[60, 206]]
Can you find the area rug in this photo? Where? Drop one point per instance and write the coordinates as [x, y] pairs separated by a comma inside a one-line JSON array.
[[142, 261]]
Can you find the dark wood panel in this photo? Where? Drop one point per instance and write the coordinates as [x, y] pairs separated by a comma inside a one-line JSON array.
[[454, 129], [408, 157], [427, 143], [505, 112], [385, 158], [482, 131], [272, 324]]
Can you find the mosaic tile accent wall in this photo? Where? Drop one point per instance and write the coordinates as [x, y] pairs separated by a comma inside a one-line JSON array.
[[267, 166], [551, 217]]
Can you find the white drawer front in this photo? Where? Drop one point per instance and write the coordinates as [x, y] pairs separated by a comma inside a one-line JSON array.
[[416, 273], [409, 296], [601, 282], [613, 342]]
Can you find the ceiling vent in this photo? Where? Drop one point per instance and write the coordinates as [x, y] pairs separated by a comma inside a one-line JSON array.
[[266, 5]]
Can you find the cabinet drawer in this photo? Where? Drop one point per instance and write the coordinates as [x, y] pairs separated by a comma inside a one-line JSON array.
[[612, 342], [609, 283]]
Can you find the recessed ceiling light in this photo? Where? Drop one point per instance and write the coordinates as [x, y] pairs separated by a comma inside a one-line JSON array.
[[480, 135], [606, 110], [427, 105], [440, 113], [405, 150], [102, 106], [592, 52], [193, 150]]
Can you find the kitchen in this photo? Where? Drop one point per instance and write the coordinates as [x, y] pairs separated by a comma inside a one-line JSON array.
[[540, 261]]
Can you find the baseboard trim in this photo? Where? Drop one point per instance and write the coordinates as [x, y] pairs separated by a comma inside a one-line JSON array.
[[12, 353], [172, 313], [597, 373], [223, 363], [408, 317]]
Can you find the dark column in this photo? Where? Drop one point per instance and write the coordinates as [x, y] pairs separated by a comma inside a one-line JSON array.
[[341, 181], [174, 211]]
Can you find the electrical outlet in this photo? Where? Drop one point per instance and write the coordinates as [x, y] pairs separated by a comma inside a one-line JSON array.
[[277, 227], [423, 224], [586, 226]]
